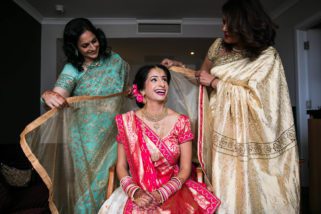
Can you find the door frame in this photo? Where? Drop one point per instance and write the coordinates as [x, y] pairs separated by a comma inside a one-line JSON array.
[[302, 90]]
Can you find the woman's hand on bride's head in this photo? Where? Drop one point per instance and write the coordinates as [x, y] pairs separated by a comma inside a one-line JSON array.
[[169, 63]]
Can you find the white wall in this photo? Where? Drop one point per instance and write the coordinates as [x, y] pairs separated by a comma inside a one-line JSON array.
[[115, 28], [285, 39], [291, 34], [314, 67], [50, 33]]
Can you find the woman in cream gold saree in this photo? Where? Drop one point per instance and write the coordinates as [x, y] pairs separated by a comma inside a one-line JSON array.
[[246, 134], [155, 142]]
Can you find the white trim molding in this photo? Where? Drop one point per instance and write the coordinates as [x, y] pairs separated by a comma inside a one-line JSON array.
[[133, 21], [95, 21], [201, 21], [314, 19], [30, 10], [283, 8]]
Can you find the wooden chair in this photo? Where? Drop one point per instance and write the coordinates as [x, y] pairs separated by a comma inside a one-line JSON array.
[[111, 185], [112, 179]]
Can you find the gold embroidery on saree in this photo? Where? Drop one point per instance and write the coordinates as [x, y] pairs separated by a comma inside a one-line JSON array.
[[264, 150], [219, 56]]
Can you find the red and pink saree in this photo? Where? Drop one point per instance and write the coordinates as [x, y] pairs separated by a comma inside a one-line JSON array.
[[153, 161]]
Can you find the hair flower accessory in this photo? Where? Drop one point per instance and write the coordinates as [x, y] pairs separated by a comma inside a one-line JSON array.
[[137, 94]]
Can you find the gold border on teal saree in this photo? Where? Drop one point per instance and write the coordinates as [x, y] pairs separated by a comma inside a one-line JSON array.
[[72, 149]]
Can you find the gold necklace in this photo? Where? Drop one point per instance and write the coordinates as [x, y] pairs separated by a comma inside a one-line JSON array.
[[85, 66], [155, 118]]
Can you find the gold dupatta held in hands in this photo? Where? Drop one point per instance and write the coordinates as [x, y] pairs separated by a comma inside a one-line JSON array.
[[72, 149], [246, 135]]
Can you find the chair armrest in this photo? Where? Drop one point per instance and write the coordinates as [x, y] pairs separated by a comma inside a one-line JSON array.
[[199, 174], [111, 181]]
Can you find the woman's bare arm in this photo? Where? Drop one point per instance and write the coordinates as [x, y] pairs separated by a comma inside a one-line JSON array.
[[121, 165], [185, 161]]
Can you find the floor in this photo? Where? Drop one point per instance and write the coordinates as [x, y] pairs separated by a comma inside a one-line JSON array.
[[5, 152]]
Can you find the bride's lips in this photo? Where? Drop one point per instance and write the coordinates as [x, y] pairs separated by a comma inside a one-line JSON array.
[[161, 92]]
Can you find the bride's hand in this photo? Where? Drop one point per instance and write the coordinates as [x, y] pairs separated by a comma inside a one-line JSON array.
[[142, 199], [157, 197]]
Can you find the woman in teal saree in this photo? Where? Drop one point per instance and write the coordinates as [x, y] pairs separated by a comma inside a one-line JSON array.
[[72, 148]]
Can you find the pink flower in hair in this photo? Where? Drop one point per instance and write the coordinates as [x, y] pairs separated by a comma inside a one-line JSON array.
[[137, 94]]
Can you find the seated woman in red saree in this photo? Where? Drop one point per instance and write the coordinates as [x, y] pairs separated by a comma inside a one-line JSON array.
[[155, 143]]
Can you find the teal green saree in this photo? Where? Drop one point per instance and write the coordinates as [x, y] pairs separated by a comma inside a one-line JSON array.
[[73, 148]]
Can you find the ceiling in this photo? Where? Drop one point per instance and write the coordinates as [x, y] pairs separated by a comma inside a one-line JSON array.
[[138, 51], [142, 9], [153, 50]]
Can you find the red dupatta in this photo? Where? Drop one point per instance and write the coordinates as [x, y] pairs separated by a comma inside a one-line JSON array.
[[143, 171], [131, 131]]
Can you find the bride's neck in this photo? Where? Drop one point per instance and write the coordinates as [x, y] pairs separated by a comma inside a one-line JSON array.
[[154, 107]]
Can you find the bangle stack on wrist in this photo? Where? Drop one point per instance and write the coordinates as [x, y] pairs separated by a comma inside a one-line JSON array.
[[168, 189], [162, 198], [129, 186]]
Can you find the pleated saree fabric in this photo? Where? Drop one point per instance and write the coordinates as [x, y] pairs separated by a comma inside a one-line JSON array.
[[246, 141]]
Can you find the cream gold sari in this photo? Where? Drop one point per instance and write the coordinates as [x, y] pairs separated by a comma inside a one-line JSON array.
[[246, 137]]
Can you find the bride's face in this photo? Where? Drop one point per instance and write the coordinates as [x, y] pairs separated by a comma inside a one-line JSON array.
[[156, 85]]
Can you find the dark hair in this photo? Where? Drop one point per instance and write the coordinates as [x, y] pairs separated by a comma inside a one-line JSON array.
[[73, 30], [141, 77], [248, 20]]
